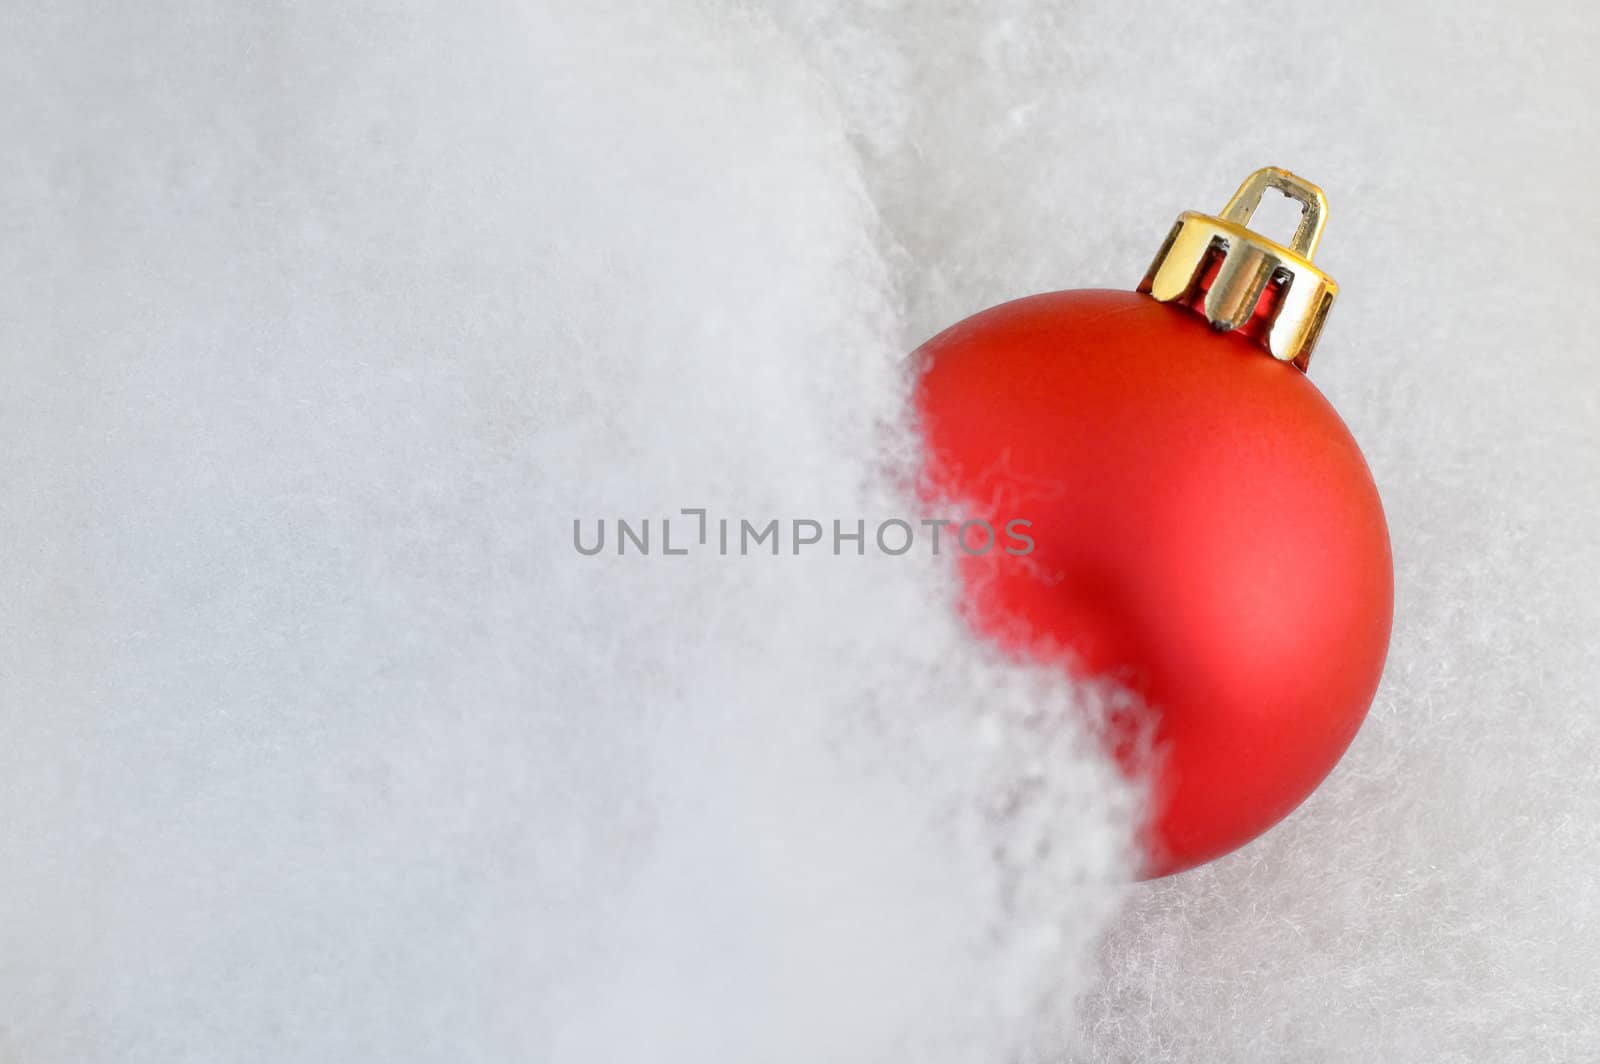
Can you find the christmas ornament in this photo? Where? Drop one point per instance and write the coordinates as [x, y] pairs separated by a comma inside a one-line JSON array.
[[1206, 530]]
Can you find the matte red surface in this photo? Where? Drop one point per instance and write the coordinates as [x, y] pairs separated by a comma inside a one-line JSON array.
[[1207, 533]]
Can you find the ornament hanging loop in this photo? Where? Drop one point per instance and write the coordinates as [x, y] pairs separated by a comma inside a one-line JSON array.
[[1239, 279], [1313, 206]]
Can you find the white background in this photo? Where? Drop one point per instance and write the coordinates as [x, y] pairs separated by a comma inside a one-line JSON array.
[[319, 323]]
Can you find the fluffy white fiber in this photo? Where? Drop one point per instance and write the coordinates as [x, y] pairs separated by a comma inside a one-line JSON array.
[[321, 322]]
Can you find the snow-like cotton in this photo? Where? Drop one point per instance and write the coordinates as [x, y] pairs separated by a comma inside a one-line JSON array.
[[322, 323]]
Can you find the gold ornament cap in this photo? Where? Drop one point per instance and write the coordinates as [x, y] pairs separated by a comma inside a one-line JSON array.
[[1239, 279]]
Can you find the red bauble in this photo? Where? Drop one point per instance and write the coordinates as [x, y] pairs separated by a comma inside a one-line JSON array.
[[1206, 532]]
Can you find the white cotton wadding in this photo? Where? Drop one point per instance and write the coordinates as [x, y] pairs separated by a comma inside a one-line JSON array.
[[323, 324]]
